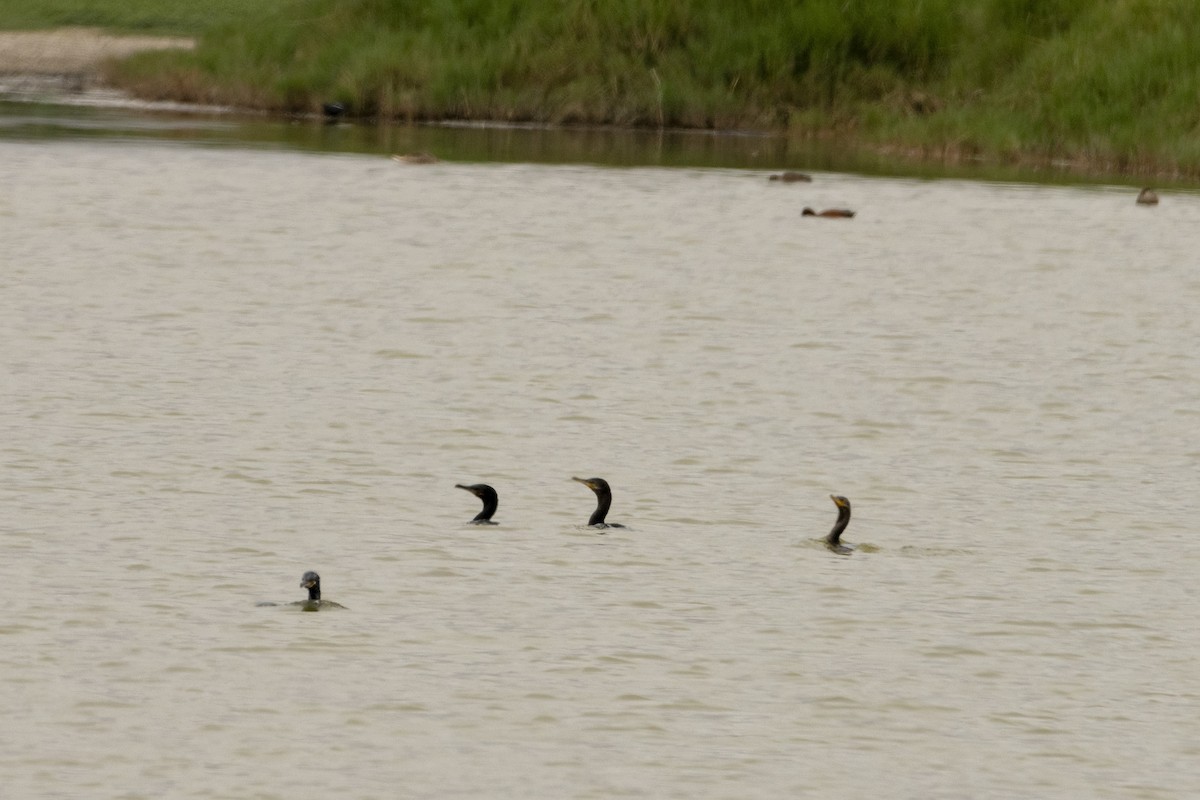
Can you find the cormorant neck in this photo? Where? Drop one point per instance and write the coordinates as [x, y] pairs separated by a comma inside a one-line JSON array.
[[835, 535], [603, 501], [314, 591], [490, 502]]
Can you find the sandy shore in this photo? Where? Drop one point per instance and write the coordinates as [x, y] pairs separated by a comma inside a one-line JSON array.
[[68, 58], [64, 66], [73, 51]]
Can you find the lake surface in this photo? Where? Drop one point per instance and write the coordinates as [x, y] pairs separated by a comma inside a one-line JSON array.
[[224, 366]]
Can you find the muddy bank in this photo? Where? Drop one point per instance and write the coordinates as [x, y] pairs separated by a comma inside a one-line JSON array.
[[68, 59]]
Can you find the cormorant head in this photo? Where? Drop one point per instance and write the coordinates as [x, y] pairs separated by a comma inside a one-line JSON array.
[[840, 501], [808, 212], [310, 580], [488, 495], [597, 485], [603, 500]]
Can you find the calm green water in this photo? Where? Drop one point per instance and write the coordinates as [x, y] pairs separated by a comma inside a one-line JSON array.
[[226, 365]]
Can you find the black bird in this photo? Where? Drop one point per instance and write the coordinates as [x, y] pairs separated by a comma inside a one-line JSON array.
[[490, 500], [603, 501], [333, 112], [312, 582], [834, 540]]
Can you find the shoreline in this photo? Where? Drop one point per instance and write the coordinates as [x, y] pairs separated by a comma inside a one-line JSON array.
[[76, 54], [65, 66]]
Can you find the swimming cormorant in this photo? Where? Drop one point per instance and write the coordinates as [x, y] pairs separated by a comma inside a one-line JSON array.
[[829, 212], [312, 582], [490, 500], [603, 501], [834, 540]]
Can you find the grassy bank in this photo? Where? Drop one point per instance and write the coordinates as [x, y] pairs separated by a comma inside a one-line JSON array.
[[1111, 82], [169, 17]]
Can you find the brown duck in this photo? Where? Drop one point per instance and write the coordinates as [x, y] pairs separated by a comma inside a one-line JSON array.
[[843, 213], [791, 177]]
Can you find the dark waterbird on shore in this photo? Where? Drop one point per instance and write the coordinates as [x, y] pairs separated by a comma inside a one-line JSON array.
[[490, 501], [834, 540], [603, 501], [832, 213], [333, 112]]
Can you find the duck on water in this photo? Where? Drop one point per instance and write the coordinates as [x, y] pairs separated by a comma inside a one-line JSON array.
[[603, 501], [311, 581], [831, 213]]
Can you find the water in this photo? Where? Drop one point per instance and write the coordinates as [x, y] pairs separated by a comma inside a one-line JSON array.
[[226, 366]]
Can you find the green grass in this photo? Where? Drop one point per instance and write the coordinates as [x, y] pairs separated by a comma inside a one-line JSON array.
[[697, 63], [130, 16], [1115, 82]]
